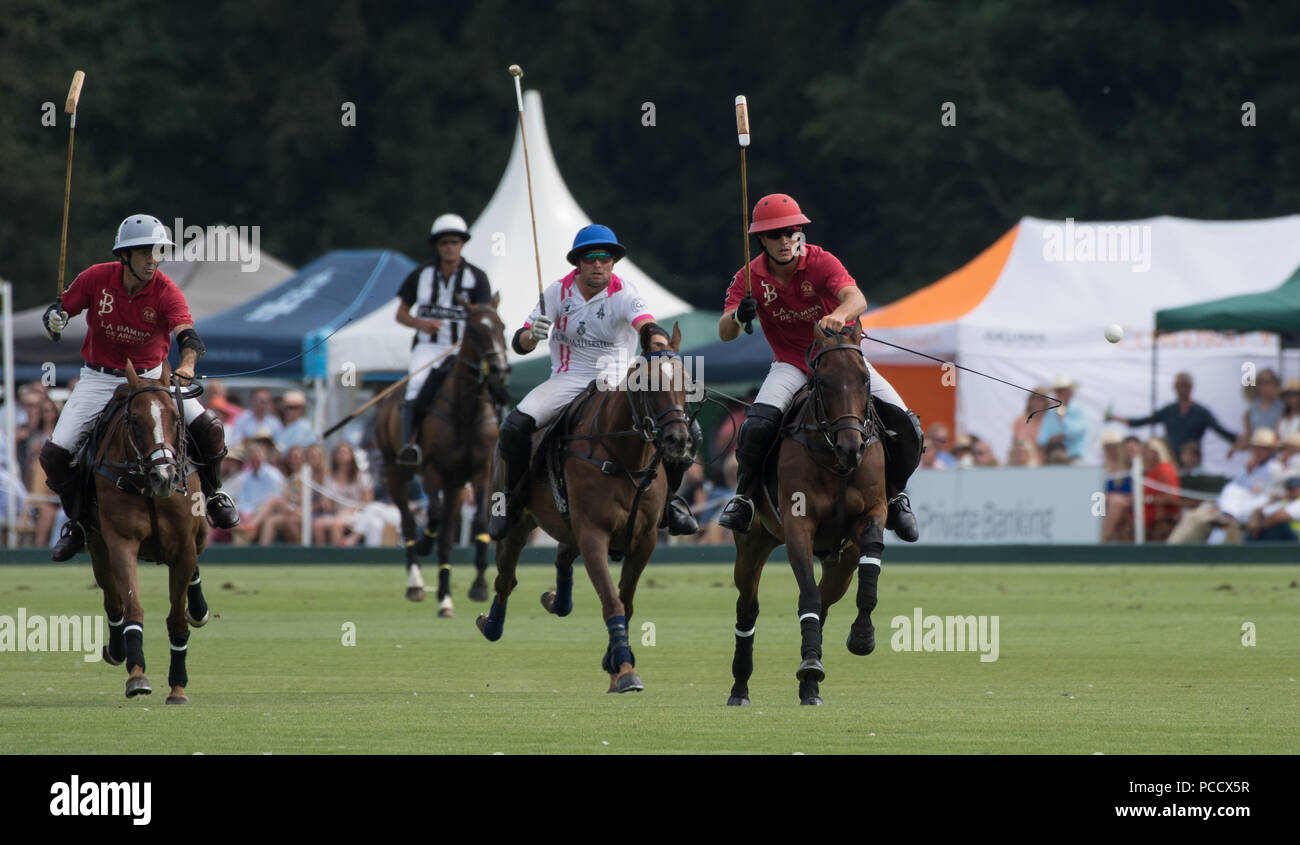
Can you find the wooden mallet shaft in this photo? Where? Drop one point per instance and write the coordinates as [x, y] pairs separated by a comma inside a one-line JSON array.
[[74, 97], [742, 133]]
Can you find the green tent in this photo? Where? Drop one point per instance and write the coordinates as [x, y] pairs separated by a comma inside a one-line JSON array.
[[1275, 310]]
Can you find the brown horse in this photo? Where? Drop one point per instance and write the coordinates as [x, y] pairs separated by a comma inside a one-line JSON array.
[[457, 438], [613, 448], [830, 466], [150, 507]]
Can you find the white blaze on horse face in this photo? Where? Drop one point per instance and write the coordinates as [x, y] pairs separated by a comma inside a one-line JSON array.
[[156, 413]]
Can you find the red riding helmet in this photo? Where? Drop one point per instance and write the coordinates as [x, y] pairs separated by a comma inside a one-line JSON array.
[[776, 211]]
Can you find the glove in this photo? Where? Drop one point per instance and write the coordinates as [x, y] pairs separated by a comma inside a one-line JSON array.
[[56, 320], [747, 310], [541, 329]]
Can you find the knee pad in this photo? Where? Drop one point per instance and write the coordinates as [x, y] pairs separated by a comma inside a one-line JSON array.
[[761, 425], [57, 463], [209, 434], [515, 435]]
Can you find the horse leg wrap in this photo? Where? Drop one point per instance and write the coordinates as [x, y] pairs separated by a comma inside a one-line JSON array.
[[116, 642], [868, 575], [495, 622], [619, 652], [197, 604], [742, 663], [872, 542], [563, 591], [810, 629], [444, 581], [176, 675], [809, 689], [133, 632]]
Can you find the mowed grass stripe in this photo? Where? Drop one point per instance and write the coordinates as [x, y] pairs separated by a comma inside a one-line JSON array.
[[1143, 659]]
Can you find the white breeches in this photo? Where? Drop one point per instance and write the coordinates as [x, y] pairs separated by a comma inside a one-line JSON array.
[[784, 380], [92, 393], [545, 401], [422, 354]]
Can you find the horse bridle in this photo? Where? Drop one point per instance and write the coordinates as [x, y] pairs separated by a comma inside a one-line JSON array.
[[138, 462], [650, 425], [829, 429], [481, 368]]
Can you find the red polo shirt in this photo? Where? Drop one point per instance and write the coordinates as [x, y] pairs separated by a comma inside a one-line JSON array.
[[788, 312], [118, 326]]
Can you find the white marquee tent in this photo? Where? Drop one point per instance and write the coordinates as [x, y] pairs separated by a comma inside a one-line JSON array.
[[502, 244]]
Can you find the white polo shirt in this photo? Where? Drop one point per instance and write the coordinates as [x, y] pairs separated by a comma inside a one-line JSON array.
[[590, 336]]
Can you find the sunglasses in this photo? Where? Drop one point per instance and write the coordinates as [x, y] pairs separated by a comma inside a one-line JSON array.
[[593, 257], [788, 232]]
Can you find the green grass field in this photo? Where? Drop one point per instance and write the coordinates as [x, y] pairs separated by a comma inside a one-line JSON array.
[[1113, 659]]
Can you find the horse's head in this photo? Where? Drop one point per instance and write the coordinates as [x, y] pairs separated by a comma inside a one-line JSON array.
[[657, 386], [484, 345], [840, 391], [152, 432]]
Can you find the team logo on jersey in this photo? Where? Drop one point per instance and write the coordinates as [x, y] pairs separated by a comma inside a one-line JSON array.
[[769, 293], [106, 303], [148, 315], [638, 305], [567, 308], [600, 315], [582, 329], [806, 288]]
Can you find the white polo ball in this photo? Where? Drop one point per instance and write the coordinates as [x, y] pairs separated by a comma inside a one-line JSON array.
[[1114, 333]]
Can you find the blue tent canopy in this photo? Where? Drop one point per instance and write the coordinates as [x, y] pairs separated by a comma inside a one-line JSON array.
[[279, 334]]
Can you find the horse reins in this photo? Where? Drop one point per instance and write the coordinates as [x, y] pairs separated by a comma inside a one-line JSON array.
[[138, 463]]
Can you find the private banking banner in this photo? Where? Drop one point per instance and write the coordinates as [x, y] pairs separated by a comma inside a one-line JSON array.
[[1007, 505]]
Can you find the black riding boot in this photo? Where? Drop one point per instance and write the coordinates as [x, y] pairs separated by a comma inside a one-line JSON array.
[[677, 511], [514, 447], [210, 436], [57, 463], [409, 455], [905, 442], [757, 434]]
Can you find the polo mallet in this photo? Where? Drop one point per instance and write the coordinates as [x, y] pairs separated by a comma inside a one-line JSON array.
[[387, 390], [74, 96], [742, 130], [518, 73]]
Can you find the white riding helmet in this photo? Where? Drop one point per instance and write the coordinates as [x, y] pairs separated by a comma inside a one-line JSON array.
[[140, 230], [449, 224]]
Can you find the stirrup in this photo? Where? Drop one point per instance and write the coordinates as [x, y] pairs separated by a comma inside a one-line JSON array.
[[409, 456], [69, 544], [741, 521], [220, 504], [678, 518]]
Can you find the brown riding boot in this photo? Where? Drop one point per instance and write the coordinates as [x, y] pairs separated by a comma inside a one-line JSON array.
[[57, 463]]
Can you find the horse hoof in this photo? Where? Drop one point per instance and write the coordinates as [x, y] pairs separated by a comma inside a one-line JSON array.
[[811, 701], [177, 699], [548, 601], [737, 701], [198, 623], [811, 670], [108, 658], [864, 644], [478, 591], [445, 608], [415, 593], [487, 629], [137, 685], [631, 682]]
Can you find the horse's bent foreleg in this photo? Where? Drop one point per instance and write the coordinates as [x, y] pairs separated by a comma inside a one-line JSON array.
[[560, 601], [862, 634], [492, 623], [196, 606], [752, 550]]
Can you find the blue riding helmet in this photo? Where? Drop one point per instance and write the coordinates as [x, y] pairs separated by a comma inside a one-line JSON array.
[[593, 236]]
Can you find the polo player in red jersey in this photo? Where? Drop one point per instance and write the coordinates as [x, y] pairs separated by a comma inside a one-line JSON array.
[[132, 310], [803, 287]]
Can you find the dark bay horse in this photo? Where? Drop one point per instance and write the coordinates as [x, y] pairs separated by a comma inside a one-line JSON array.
[[830, 466], [457, 438], [150, 507], [613, 451]]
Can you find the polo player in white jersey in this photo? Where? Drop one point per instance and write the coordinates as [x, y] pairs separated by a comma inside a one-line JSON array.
[[597, 319]]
